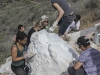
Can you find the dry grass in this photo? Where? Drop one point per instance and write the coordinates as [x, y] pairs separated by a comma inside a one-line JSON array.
[[26, 12]]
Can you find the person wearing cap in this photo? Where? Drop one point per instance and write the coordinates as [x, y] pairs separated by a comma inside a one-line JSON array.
[[44, 19], [89, 59], [65, 16]]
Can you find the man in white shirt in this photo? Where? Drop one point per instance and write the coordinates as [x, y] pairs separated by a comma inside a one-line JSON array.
[[75, 25]]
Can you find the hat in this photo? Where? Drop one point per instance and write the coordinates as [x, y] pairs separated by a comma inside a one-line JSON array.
[[82, 40], [43, 17]]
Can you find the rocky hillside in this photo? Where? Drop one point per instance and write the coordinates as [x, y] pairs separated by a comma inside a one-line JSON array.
[[14, 12]]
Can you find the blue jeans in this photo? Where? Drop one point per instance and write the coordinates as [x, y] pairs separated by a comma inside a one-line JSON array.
[[64, 23]]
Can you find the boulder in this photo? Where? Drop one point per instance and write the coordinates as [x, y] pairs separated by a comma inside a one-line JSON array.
[[53, 55]]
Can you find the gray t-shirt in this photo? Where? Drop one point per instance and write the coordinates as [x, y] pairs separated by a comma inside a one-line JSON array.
[[91, 61], [64, 5]]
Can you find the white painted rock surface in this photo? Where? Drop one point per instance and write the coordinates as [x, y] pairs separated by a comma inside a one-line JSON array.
[[53, 55], [6, 68]]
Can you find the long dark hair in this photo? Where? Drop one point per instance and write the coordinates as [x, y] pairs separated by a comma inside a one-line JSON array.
[[20, 36]]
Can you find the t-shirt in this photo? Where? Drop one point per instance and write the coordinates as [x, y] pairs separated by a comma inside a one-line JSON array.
[[77, 24], [64, 5], [91, 61], [29, 35], [73, 25]]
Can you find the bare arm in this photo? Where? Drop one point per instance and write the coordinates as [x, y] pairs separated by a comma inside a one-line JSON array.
[[77, 65], [60, 10], [14, 54]]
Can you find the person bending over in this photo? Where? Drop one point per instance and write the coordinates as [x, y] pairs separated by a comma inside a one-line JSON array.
[[89, 60], [75, 25], [65, 16]]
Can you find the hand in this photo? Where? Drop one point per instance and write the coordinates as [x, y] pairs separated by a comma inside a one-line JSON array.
[[51, 29], [55, 24], [28, 55], [24, 52]]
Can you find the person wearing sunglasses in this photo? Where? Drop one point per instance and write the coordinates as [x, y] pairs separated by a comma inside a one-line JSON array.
[[89, 60]]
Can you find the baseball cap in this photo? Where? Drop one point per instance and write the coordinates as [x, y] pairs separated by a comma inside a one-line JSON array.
[[83, 40], [43, 17]]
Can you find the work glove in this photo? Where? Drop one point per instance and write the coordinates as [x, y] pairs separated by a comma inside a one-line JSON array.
[[55, 24], [28, 55], [52, 28]]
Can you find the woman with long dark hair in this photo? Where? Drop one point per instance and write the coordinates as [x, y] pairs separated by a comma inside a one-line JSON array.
[[18, 56]]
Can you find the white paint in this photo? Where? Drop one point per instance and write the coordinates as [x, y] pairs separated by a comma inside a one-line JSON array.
[[53, 55]]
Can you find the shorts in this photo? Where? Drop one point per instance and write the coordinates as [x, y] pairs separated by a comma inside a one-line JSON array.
[[64, 23]]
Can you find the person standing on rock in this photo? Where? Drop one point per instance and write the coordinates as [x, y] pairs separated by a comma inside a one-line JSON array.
[[89, 60], [18, 55], [65, 16]]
